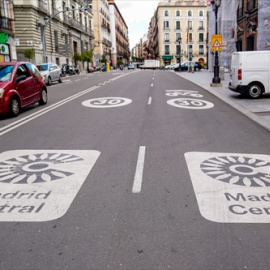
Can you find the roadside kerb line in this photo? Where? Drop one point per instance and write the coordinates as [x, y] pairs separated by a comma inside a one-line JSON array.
[[43, 111], [137, 184]]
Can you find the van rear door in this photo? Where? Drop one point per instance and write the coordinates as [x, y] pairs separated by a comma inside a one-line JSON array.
[[235, 67]]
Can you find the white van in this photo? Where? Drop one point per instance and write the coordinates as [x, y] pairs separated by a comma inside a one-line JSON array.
[[250, 72]]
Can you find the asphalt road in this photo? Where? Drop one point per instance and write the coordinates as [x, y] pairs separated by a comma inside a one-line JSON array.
[[148, 177]]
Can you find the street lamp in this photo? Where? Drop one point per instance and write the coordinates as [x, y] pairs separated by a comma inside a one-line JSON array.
[[215, 6], [179, 40]]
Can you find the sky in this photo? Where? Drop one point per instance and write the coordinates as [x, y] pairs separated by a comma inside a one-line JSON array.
[[137, 15]]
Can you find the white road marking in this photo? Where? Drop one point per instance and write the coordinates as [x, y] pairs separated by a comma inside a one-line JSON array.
[[44, 183], [137, 184], [33, 116], [152, 84], [231, 187], [149, 100]]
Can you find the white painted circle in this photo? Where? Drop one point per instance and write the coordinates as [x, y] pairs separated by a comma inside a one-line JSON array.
[[190, 103], [106, 102], [36, 166]]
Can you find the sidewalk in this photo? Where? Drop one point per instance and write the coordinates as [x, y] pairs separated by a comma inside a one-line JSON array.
[[256, 109]]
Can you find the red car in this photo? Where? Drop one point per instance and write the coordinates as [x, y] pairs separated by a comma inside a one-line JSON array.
[[20, 85]]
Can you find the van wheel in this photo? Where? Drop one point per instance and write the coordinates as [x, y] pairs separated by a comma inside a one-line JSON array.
[[255, 90], [14, 107], [44, 98]]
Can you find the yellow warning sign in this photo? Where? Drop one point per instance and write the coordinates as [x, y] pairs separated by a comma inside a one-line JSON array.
[[216, 43]]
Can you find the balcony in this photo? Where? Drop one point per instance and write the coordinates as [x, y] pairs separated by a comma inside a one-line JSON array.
[[5, 24], [107, 42], [76, 24], [166, 40], [43, 6]]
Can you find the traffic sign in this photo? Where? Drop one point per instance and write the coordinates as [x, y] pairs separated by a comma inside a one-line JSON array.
[[216, 43]]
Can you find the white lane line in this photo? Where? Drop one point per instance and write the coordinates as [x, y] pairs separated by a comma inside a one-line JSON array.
[[137, 184], [149, 100], [43, 111], [152, 84]]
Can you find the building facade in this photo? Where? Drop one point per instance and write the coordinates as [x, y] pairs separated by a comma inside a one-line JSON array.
[[180, 30], [56, 30], [102, 29], [119, 36], [7, 41]]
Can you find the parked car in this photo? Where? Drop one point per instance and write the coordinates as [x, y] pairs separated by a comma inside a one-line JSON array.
[[50, 72], [21, 84], [185, 65], [131, 66], [172, 66]]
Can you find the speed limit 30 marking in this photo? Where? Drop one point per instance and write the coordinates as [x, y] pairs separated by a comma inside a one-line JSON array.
[[106, 102], [176, 93], [190, 103]]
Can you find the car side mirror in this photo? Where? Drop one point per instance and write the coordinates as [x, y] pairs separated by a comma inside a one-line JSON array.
[[20, 78]]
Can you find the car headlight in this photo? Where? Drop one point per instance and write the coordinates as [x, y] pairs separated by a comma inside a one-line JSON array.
[[2, 92]]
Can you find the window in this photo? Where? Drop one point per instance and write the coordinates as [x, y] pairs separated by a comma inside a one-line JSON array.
[[189, 13], [190, 25], [166, 25], [33, 69], [200, 25], [201, 37], [177, 13], [178, 49], [201, 49], [166, 13], [22, 70], [177, 35], [166, 37], [190, 52], [167, 49], [200, 13], [56, 46], [178, 25], [190, 37]]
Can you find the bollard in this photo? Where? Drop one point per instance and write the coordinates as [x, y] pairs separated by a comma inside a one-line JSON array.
[[221, 73]]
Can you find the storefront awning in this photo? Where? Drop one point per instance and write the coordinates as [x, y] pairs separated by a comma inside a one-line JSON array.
[[167, 57]]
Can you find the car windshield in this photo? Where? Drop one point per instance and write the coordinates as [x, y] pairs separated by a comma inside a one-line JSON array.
[[6, 72], [42, 67]]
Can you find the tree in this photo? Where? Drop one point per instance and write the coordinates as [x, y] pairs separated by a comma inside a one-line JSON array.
[[87, 56], [77, 57], [104, 59], [29, 53]]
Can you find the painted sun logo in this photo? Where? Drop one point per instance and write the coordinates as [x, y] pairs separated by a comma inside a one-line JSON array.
[[238, 170], [35, 168]]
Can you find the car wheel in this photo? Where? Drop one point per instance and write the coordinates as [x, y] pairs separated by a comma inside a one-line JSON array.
[[14, 107], [44, 97], [255, 90], [60, 79], [49, 81]]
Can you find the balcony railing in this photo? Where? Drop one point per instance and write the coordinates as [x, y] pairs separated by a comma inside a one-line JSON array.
[[5, 23]]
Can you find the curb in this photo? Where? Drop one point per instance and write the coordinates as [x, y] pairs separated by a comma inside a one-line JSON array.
[[262, 122]]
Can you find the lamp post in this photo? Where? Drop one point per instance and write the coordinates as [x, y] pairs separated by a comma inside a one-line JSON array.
[[179, 40], [215, 6]]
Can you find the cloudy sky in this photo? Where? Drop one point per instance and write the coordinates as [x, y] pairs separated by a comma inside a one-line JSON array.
[[137, 15]]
